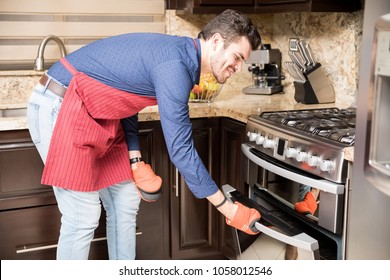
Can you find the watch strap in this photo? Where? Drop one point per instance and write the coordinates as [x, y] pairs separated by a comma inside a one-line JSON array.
[[135, 159]]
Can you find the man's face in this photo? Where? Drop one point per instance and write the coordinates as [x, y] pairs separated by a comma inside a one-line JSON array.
[[225, 62]]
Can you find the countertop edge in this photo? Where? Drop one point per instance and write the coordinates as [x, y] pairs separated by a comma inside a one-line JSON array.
[[229, 104]]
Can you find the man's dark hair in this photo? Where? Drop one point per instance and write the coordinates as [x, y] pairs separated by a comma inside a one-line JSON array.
[[232, 25]]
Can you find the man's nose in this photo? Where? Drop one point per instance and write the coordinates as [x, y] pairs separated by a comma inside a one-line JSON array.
[[238, 67]]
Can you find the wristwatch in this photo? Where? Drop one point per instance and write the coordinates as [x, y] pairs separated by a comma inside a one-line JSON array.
[[135, 160]]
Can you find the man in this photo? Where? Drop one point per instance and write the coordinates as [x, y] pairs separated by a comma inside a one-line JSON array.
[[86, 145]]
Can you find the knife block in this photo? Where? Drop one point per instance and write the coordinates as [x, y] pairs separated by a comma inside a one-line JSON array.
[[316, 89]]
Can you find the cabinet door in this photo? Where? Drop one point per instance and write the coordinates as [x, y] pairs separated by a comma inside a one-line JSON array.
[[265, 6], [29, 233], [194, 227], [153, 217], [232, 136]]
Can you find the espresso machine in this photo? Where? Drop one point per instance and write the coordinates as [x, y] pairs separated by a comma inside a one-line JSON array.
[[266, 73]]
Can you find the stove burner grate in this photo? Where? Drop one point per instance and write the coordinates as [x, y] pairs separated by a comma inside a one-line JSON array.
[[335, 124]]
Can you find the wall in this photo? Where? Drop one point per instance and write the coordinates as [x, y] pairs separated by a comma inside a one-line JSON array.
[[334, 37]]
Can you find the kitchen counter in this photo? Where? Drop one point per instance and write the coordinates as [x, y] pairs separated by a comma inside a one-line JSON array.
[[230, 103]]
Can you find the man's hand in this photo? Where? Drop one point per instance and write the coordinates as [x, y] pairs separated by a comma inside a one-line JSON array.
[[237, 215], [148, 183], [245, 219]]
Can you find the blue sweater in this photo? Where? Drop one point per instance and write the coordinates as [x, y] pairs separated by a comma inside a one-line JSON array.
[[155, 65]]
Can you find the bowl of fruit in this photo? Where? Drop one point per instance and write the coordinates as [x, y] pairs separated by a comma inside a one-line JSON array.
[[207, 89]]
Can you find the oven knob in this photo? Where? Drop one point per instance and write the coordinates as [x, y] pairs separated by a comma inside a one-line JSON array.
[[268, 143], [252, 136], [327, 166], [291, 152], [259, 139], [301, 156], [313, 161]]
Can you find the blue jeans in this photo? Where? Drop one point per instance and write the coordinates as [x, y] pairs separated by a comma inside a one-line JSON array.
[[80, 211], [303, 190]]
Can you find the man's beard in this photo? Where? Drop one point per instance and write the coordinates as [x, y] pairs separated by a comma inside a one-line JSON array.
[[216, 63]]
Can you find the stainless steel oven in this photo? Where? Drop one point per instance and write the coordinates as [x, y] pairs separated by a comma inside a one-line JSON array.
[[288, 154]]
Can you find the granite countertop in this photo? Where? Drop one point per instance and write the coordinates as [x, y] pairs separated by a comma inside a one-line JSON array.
[[230, 103]]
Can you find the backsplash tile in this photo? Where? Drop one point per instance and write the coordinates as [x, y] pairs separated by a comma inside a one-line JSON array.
[[334, 37], [15, 88]]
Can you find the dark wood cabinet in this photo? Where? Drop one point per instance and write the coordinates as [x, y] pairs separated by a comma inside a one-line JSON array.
[[29, 233], [29, 216], [232, 135], [264, 6], [194, 222], [153, 230], [198, 229], [177, 226], [20, 172], [29, 219]]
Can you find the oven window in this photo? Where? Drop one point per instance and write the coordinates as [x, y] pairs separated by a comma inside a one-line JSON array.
[[290, 191]]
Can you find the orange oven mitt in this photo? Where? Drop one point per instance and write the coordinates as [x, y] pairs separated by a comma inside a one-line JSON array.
[[148, 183], [307, 205], [245, 219]]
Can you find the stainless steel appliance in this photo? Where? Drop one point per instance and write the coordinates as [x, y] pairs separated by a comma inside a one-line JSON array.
[[288, 152], [368, 222], [266, 72]]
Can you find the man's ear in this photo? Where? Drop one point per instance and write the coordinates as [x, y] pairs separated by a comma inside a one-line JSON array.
[[217, 41]]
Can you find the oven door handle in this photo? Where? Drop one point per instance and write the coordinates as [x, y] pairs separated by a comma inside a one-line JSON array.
[[302, 240], [321, 184]]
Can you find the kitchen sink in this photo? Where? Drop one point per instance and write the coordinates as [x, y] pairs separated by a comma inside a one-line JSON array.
[[13, 112]]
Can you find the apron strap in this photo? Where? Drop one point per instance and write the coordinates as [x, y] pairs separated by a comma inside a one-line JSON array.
[[68, 66]]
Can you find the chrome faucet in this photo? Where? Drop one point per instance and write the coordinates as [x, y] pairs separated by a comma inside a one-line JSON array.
[[39, 61]]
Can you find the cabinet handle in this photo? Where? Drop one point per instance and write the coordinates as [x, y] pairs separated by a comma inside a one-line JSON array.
[[21, 145], [33, 248], [176, 186]]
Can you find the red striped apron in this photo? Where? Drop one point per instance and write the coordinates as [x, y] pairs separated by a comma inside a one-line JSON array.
[[88, 150]]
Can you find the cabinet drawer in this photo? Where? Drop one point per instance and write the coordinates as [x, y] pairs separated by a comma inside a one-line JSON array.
[[20, 171], [20, 175], [30, 233]]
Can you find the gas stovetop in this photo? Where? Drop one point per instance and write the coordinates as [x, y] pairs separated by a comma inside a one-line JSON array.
[[332, 123], [312, 140]]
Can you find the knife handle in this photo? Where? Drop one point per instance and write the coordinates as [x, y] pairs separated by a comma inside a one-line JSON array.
[[302, 50], [310, 54]]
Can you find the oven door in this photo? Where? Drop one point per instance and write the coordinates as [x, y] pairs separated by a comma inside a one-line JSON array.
[[275, 225], [282, 234], [288, 184], [285, 233]]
